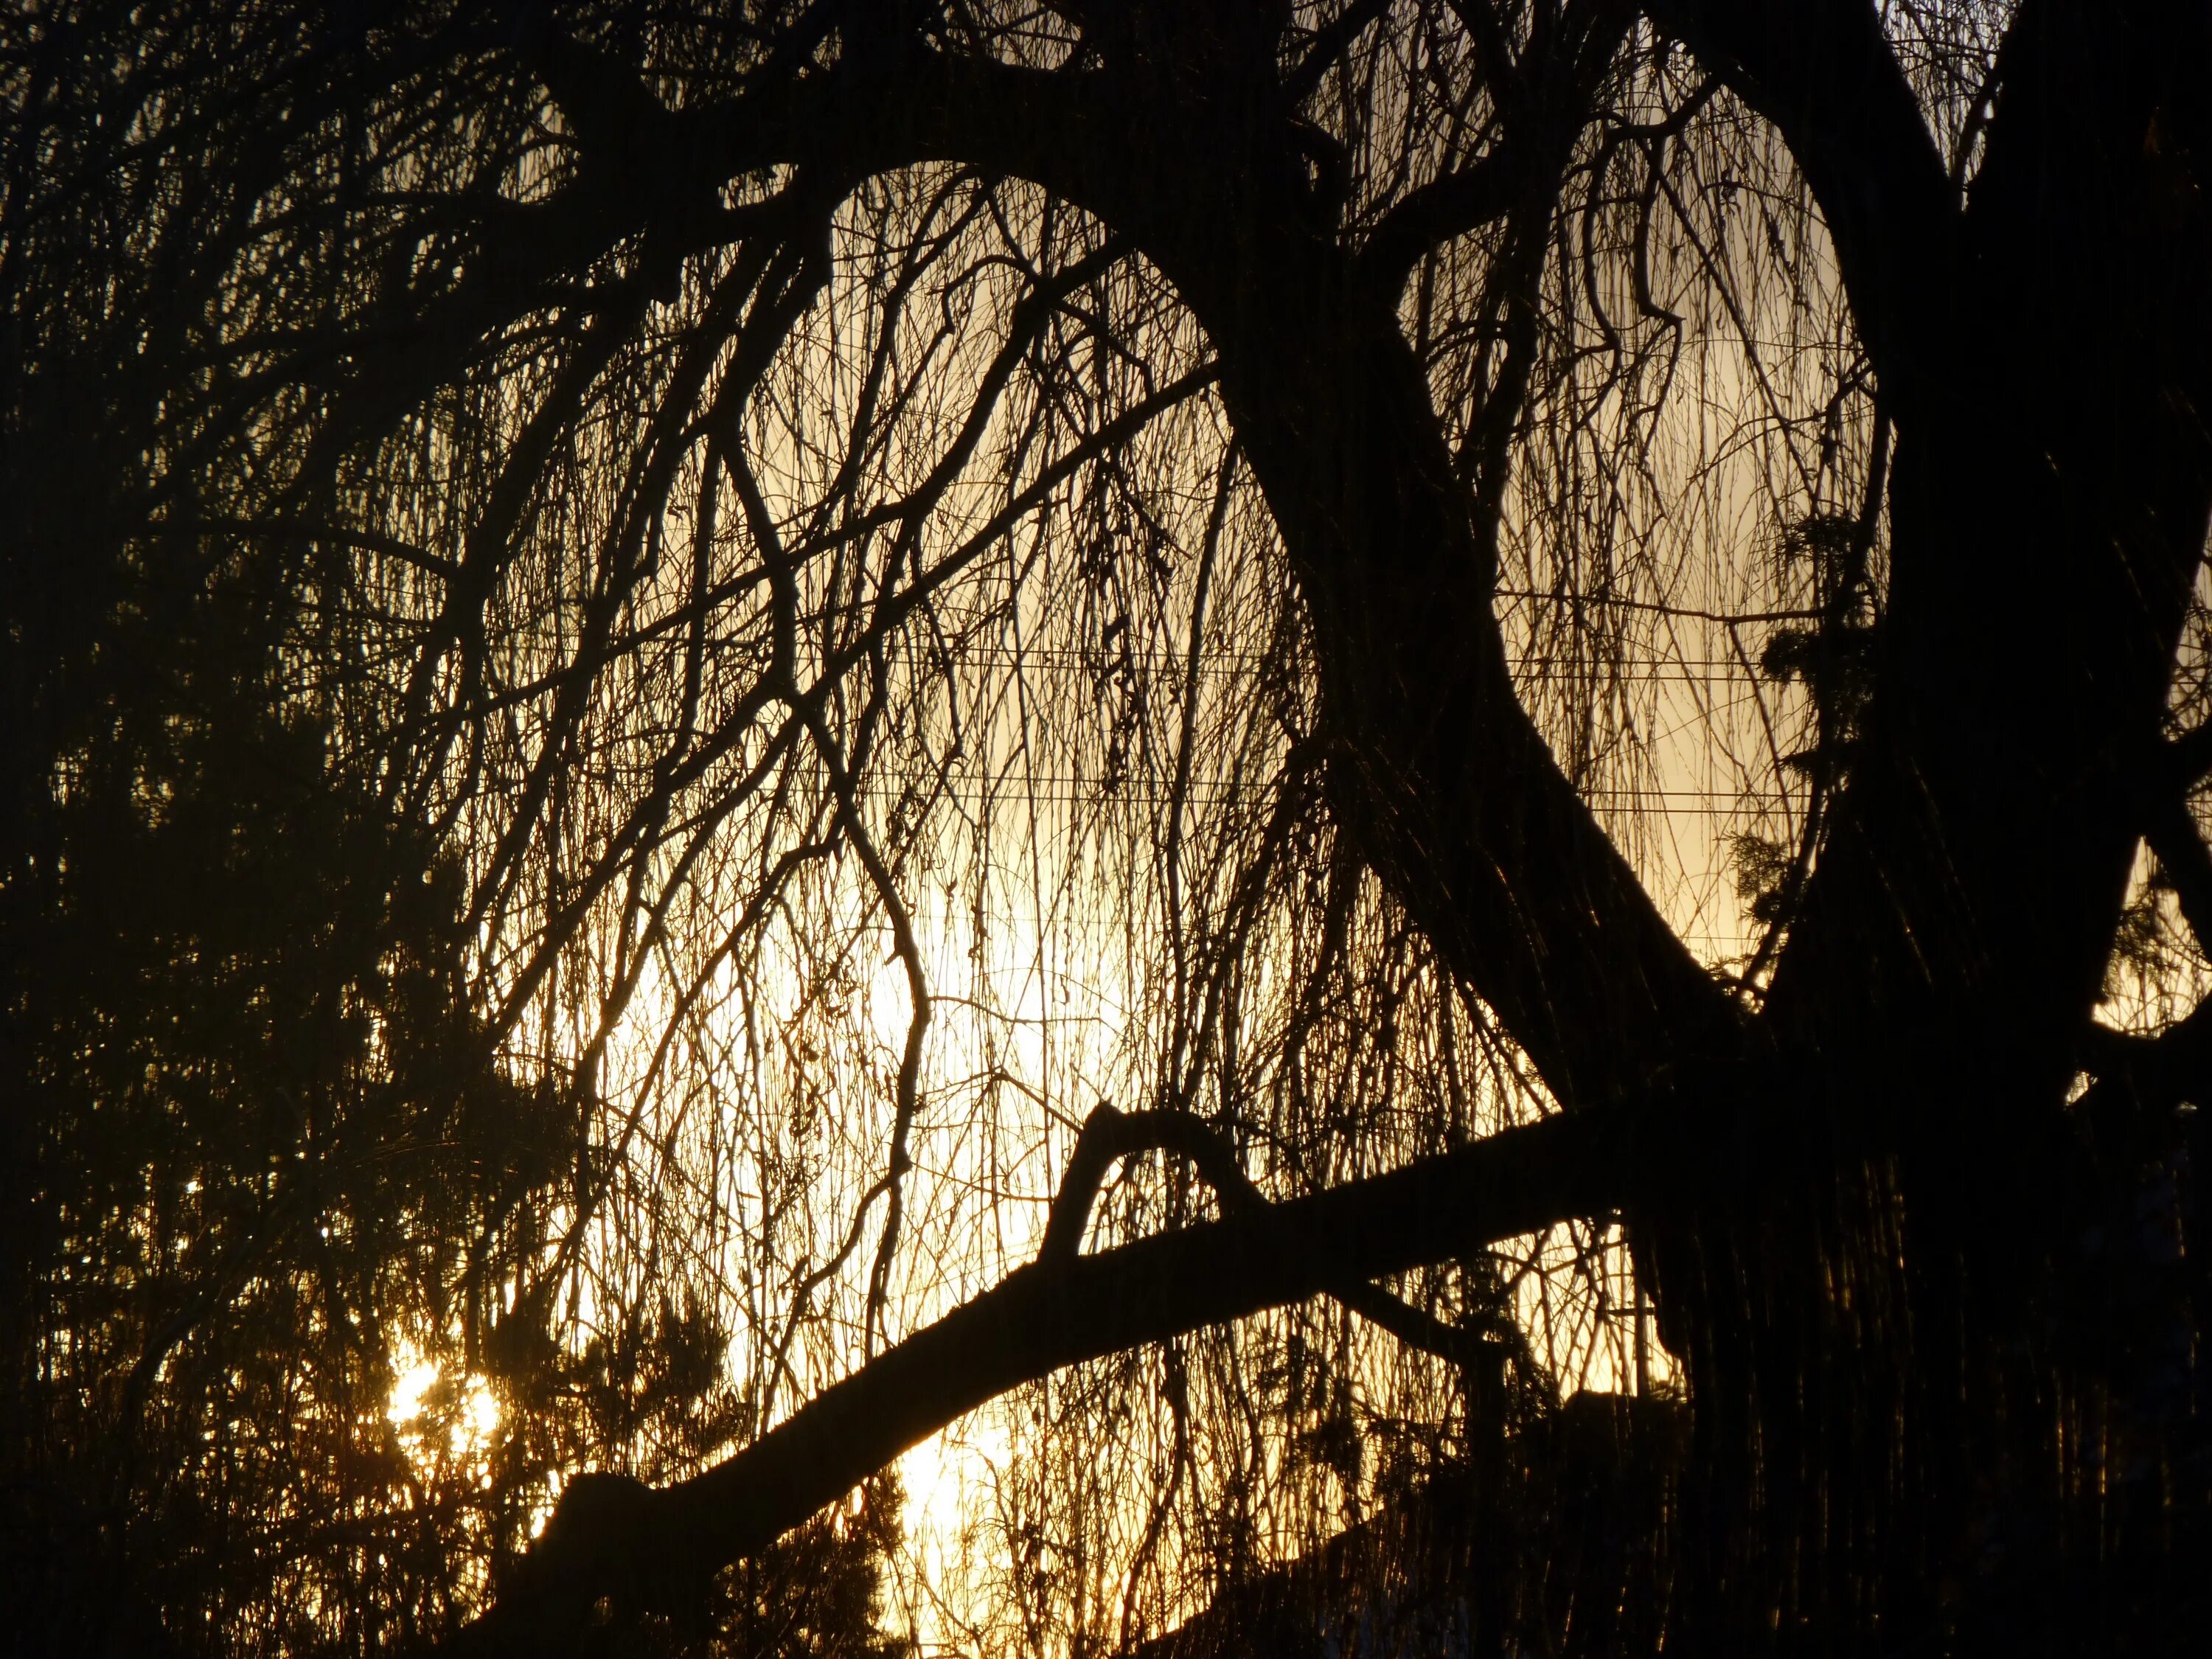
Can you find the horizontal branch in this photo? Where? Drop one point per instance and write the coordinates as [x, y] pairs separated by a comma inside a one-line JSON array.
[[631, 1548]]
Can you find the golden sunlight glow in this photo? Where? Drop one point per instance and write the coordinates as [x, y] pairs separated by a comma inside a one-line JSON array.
[[415, 1382], [468, 1415]]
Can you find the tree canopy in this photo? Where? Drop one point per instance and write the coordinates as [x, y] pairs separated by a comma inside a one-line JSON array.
[[1416, 782]]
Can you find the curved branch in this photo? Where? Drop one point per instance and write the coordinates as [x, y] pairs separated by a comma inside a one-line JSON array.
[[1439, 211], [1109, 1135]]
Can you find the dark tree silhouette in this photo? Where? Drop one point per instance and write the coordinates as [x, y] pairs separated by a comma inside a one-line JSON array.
[[543, 540]]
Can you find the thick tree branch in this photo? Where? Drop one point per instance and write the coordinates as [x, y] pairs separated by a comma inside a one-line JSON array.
[[1453, 795], [640, 1549]]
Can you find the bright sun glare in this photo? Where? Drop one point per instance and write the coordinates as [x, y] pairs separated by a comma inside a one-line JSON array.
[[411, 1410]]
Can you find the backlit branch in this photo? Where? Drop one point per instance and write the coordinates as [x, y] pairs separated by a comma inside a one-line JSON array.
[[661, 1547]]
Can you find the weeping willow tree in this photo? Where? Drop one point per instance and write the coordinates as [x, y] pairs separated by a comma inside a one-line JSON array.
[[1268, 748]]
